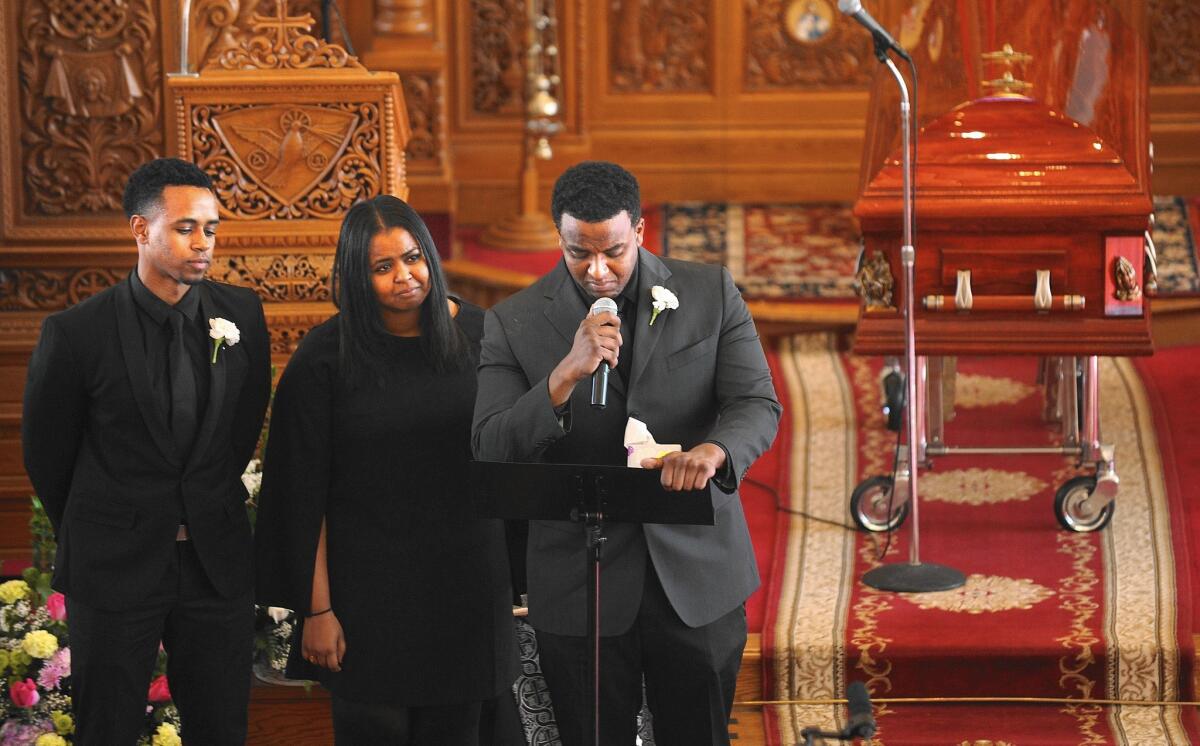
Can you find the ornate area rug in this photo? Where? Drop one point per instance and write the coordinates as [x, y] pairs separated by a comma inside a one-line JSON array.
[[1044, 614], [810, 251]]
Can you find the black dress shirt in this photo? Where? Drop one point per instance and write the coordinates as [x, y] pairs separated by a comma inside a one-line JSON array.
[[153, 316]]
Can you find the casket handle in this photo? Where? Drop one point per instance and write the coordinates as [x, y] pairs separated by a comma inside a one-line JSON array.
[[1042, 300]]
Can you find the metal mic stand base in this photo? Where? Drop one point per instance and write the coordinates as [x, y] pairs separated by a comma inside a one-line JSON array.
[[907, 577]]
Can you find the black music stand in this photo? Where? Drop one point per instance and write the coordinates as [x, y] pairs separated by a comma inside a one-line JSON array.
[[589, 495]]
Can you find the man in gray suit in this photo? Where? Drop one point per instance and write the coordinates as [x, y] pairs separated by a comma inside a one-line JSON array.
[[673, 596]]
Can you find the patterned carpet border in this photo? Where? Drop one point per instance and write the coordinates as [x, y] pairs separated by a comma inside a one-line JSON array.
[[821, 617]]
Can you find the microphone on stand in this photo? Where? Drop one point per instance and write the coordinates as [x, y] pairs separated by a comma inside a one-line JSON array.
[[600, 377], [855, 10]]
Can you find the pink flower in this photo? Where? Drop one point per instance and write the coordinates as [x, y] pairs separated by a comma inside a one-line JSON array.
[[57, 605], [24, 693], [52, 673], [159, 690]]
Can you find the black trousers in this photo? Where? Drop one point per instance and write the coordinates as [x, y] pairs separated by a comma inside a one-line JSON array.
[[209, 642], [369, 723], [690, 676]]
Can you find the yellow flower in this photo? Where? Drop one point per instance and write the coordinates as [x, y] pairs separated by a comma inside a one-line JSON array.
[[3, 660], [13, 591], [166, 735], [50, 739], [40, 644], [63, 723]]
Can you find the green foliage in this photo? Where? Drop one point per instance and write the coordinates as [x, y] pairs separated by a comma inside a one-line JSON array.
[[42, 532]]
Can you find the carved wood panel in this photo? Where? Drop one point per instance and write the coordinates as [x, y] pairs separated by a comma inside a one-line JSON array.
[[52, 289], [1174, 53], [90, 93], [804, 44], [424, 96], [497, 66], [289, 160], [219, 26], [661, 45], [276, 277]]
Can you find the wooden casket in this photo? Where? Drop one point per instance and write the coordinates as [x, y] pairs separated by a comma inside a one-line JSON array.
[[1032, 199]]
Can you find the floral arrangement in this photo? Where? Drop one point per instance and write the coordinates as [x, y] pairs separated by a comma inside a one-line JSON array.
[[35, 670], [273, 625], [35, 655]]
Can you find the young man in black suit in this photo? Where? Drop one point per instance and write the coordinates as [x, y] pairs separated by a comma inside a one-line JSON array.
[[138, 423]]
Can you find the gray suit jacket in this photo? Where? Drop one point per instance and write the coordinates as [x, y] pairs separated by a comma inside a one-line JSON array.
[[698, 374]]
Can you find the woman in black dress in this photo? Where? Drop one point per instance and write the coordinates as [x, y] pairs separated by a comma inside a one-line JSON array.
[[365, 524]]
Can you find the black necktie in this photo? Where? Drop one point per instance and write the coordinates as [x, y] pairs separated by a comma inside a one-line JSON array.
[[183, 387], [625, 357]]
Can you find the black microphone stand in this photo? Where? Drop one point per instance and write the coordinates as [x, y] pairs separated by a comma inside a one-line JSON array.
[[591, 515]]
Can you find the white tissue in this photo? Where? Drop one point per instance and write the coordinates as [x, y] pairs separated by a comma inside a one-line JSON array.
[[640, 444]]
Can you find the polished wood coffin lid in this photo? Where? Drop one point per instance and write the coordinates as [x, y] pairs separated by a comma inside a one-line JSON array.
[[1005, 159], [1033, 176]]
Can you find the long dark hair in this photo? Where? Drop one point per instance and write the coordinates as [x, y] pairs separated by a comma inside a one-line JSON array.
[[362, 335]]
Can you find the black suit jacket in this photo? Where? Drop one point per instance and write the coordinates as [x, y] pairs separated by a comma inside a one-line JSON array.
[[698, 374], [101, 457]]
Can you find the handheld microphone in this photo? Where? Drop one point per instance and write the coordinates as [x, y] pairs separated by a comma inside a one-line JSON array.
[[858, 702], [855, 10], [600, 377]]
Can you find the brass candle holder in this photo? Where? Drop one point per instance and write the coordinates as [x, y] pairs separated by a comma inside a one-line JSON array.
[[530, 229]]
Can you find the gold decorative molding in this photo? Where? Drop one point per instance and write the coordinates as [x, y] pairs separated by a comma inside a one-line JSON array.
[[664, 46], [89, 101]]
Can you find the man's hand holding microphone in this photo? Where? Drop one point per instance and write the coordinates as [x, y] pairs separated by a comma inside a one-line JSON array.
[[594, 353]]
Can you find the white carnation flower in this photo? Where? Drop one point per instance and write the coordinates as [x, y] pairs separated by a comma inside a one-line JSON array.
[[661, 300]]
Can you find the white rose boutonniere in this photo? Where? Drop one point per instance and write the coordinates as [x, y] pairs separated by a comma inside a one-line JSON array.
[[222, 330], [663, 300]]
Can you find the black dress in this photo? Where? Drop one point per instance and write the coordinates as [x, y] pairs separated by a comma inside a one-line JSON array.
[[420, 587]]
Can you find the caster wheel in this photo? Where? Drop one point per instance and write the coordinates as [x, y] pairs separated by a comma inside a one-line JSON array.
[[1066, 506], [869, 506]]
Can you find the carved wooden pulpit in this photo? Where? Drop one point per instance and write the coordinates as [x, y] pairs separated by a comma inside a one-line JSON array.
[[1032, 184], [293, 131]]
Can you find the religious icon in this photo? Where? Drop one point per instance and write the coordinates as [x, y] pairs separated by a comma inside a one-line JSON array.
[[809, 21]]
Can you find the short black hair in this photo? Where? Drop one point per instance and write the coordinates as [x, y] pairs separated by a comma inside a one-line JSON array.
[[594, 191], [145, 186]]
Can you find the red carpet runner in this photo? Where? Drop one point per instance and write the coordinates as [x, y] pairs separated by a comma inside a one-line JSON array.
[[1045, 613]]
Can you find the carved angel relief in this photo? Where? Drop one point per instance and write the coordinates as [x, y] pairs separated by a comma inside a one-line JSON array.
[[90, 84]]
